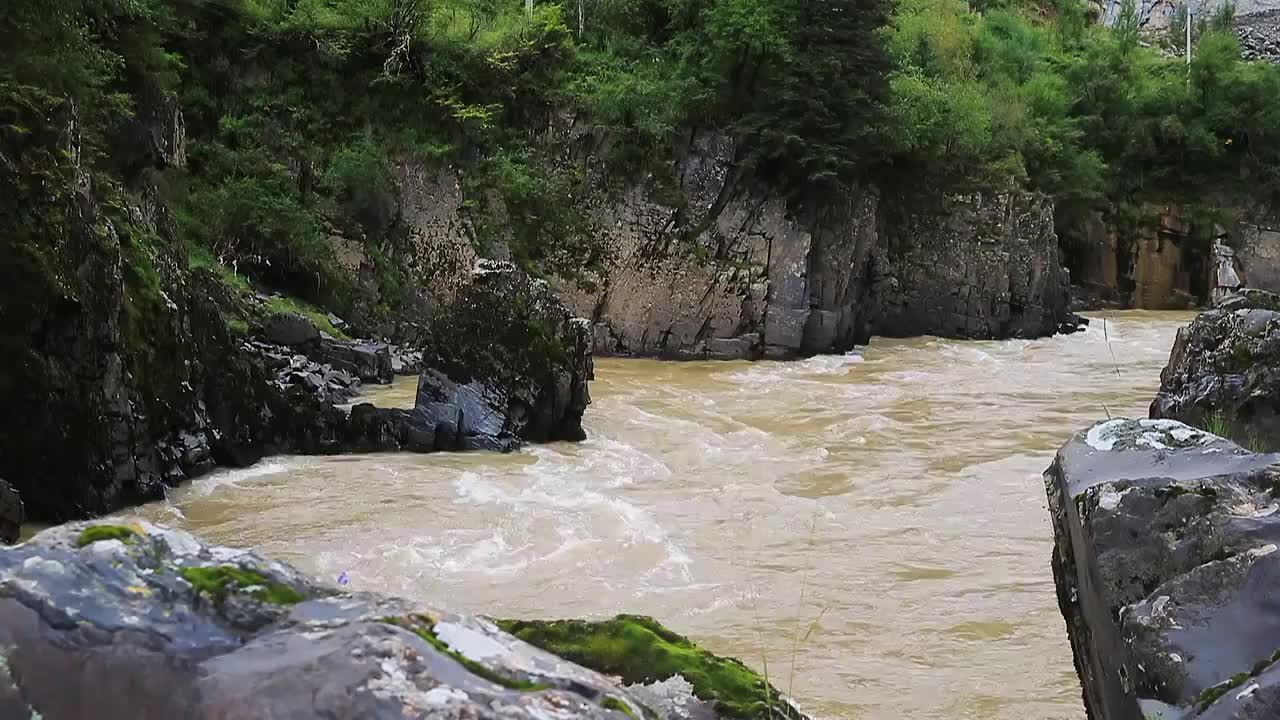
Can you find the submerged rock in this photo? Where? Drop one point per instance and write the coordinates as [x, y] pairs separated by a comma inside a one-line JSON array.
[[144, 621], [1165, 565], [1224, 371]]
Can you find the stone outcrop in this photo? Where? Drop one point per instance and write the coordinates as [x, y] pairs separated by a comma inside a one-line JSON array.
[[505, 362], [1224, 371], [1165, 564], [974, 266], [147, 622]]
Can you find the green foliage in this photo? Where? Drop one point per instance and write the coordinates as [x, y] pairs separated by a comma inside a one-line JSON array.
[[639, 650]]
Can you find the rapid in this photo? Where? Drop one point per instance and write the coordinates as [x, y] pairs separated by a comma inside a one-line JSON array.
[[868, 528]]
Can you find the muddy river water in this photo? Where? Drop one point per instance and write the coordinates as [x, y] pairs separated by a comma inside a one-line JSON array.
[[871, 526]]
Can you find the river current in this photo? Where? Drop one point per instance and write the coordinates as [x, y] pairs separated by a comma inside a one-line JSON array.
[[868, 528]]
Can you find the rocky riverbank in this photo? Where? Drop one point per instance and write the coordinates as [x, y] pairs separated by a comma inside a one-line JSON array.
[[1166, 534], [144, 621]]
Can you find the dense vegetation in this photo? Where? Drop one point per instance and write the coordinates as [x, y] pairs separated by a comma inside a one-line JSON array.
[[298, 112]]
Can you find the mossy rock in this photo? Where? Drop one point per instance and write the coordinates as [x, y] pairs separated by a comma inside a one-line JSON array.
[[640, 651]]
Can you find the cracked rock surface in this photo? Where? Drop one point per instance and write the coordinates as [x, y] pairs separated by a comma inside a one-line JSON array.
[[1166, 570]]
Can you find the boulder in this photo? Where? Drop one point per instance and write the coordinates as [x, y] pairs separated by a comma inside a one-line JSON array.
[[505, 362], [11, 514], [1165, 563], [172, 627], [290, 328], [1224, 371]]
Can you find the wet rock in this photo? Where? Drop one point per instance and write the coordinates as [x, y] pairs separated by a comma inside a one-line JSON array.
[[290, 328], [177, 628], [506, 362], [11, 513], [1165, 566], [1224, 371]]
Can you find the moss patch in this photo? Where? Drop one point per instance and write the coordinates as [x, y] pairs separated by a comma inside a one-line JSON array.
[[1211, 694], [219, 580], [94, 533], [424, 627], [640, 650], [613, 703]]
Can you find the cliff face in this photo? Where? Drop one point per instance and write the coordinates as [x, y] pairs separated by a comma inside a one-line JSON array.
[[971, 266], [714, 264]]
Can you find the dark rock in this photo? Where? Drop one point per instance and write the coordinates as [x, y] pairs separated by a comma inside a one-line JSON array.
[[1165, 569], [175, 628], [511, 360], [11, 514], [290, 328], [1224, 371]]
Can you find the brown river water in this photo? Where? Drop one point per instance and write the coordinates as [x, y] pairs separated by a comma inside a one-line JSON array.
[[870, 526]]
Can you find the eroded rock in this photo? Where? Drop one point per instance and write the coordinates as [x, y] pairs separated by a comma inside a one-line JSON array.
[[1165, 565], [143, 621]]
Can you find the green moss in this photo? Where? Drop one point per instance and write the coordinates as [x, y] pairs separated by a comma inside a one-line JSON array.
[[640, 650], [1211, 694], [613, 703], [217, 581], [424, 628], [94, 533]]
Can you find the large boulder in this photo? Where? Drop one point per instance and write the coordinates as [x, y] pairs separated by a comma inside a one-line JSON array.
[[1166, 569], [505, 362], [140, 621], [1224, 371]]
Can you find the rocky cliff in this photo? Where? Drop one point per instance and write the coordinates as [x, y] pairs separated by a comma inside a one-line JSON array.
[[142, 621], [738, 270], [1165, 564]]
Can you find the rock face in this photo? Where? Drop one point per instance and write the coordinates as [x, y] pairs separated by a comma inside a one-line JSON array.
[[722, 268], [146, 622], [1165, 563], [740, 271], [976, 266], [1224, 371]]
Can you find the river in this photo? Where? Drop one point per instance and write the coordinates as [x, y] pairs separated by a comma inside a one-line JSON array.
[[872, 526]]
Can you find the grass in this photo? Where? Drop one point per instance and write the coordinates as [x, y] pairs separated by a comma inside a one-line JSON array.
[[1216, 423], [1211, 694], [280, 303], [218, 581]]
